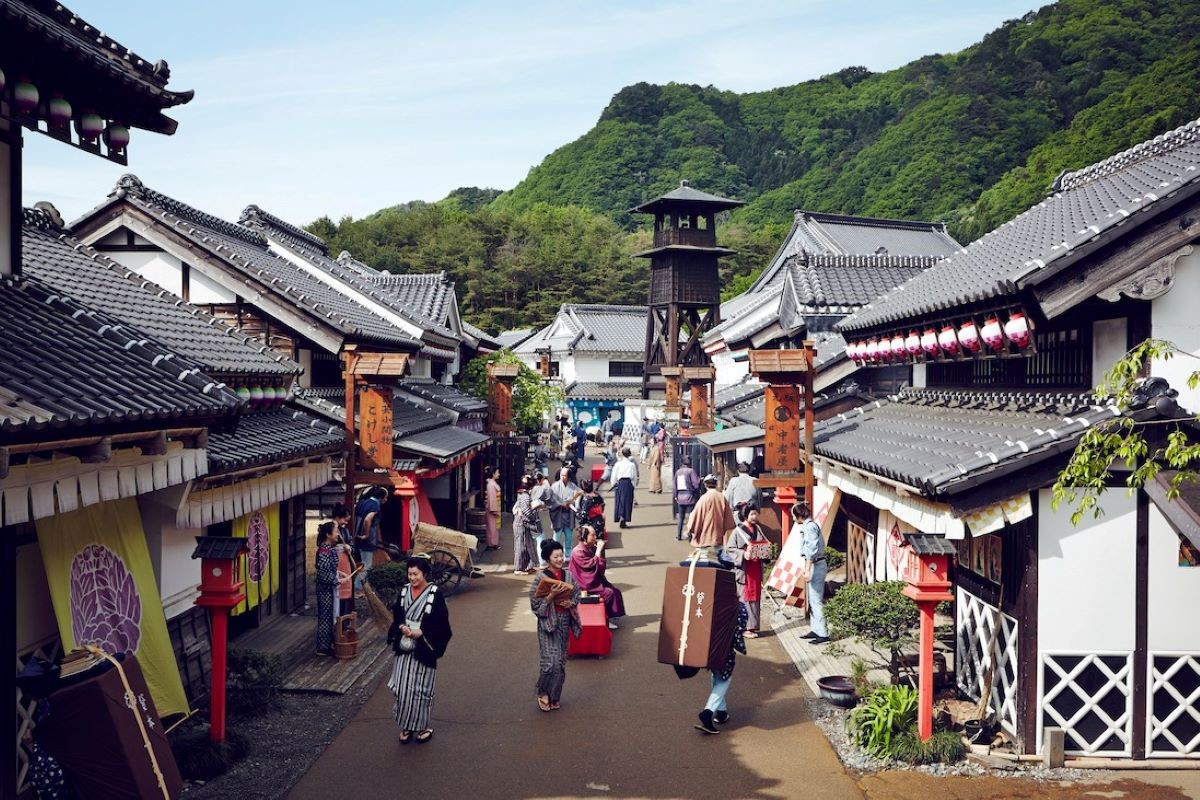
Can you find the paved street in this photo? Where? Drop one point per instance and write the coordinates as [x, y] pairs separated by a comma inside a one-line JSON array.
[[625, 729]]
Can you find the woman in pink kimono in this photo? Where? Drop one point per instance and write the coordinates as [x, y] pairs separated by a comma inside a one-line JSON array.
[[587, 567], [747, 568], [493, 509]]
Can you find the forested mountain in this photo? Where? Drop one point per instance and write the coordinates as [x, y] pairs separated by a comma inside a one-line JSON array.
[[971, 138]]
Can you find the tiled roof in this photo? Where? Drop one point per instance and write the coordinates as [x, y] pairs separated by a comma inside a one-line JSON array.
[[77, 270], [417, 429], [841, 284], [429, 295], [344, 270], [729, 396], [1087, 207], [686, 194], [816, 234], [511, 339], [592, 328], [246, 251], [604, 391], [933, 439], [446, 396], [272, 436], [485, 339], [297, 238], [65, 365]]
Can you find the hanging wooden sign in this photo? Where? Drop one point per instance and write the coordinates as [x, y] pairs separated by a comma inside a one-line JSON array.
[[375, 428], [781, 444]]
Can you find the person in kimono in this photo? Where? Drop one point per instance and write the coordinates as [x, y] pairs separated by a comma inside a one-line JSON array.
[[711, 518], [654, 463], [747, 567], [588, 566], [557, 618], [345, 576], [326, 585], [687, 492], [492, 492], [525, 529], [625, 480], [419, 634], [561, 499], [590, 509]]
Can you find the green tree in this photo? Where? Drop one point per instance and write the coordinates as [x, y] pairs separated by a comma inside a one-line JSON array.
[[532, 400], [1144, 448]]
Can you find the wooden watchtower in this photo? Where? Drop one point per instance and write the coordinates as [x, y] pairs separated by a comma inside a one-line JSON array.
[[685, 289]]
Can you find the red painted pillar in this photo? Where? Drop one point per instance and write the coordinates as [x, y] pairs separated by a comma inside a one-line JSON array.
[[925, 682], [785, 498], [220, 633]]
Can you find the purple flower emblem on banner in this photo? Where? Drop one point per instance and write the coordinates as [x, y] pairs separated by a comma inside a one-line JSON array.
[[105, 607], [258, 540]]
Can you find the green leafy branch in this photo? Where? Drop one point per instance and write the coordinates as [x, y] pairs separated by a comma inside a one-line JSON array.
[[1123, 440]]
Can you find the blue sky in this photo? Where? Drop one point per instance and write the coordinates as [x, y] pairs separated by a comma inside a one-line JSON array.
[[310, 108]]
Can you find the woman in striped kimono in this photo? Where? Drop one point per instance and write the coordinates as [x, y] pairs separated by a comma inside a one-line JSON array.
[[557, 618], [525, 530], [419, 634]]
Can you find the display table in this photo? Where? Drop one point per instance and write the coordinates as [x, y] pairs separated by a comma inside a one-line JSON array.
[[597, 638]]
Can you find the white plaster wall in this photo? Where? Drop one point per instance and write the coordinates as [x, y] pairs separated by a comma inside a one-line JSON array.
[[918, 376], [594, 369], [530, 360], [305, 361], [1086, 577], [420, 368], [1174, 317], [179, 572], [1174, 591], [203, 289], [161, 268], [729, 371], [1109, 345], [35, 612], [568, 368]]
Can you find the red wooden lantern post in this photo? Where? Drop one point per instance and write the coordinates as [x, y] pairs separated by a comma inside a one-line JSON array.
[[701, 380], [501, 378], [406, 492], [927, 573], [220, 590]]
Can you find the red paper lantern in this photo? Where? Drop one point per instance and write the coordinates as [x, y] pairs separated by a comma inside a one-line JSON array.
[[992, 334], [854, 350], [25, 96], [873, 350], [58, 111], [116, 136], [1, 80], [929, 343], [90, 125], [913, 344], [898, 352], [1017, 329], [885, 349], [968, 337], [948, 341]]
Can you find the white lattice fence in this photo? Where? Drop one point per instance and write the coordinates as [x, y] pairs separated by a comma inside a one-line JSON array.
[[860, 555], [1089, 696], [975, 623], [49, 650], [1174, 705]]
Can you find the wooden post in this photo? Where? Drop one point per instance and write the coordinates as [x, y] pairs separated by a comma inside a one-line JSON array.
[[1053, 745], [349, 362], [500, 390], [701, 380], [671, 376], [925, 681]]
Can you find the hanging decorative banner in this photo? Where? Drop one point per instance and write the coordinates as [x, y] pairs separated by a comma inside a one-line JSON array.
[[104, 593], [260, 567]]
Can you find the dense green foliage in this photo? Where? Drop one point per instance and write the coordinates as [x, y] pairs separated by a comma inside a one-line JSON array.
[[971, 138], [532, 400], [387, 579], [877, 614], [883, 714]]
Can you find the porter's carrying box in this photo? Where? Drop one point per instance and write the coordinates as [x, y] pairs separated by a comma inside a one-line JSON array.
[[699, 614], [93, 731]]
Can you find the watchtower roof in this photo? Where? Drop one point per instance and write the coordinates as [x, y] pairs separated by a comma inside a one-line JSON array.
[[684, 197]]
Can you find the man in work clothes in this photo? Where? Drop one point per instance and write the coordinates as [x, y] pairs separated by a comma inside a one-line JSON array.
[[561, 499], [687, 492], [741, 490], [712, 517], [366, 535], [813, 549]]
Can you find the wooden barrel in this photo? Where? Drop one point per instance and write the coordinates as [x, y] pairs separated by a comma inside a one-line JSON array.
[[476, 521]]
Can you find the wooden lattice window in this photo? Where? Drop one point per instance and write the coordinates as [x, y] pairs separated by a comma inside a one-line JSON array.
[[1174, 728], [1089, 696], [860, 554], [1061, 358], [976, 624]]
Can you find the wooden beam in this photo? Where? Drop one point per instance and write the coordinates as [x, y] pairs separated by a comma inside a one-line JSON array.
[[4, 462], [1120, 261]]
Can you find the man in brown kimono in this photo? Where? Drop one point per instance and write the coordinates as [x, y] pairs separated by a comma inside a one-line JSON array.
[[712, 517]]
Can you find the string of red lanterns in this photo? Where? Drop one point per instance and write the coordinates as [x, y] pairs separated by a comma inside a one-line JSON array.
[[967, 339]]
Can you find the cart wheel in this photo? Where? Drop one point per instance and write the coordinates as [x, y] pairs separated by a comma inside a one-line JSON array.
[[447, 571]]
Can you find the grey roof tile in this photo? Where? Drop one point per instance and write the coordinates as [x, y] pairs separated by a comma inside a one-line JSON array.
[[1087, 206], [604, 391], [272, 436], [445, 396], [77, 270], [245, 250], [932, 439], [594, 328]]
